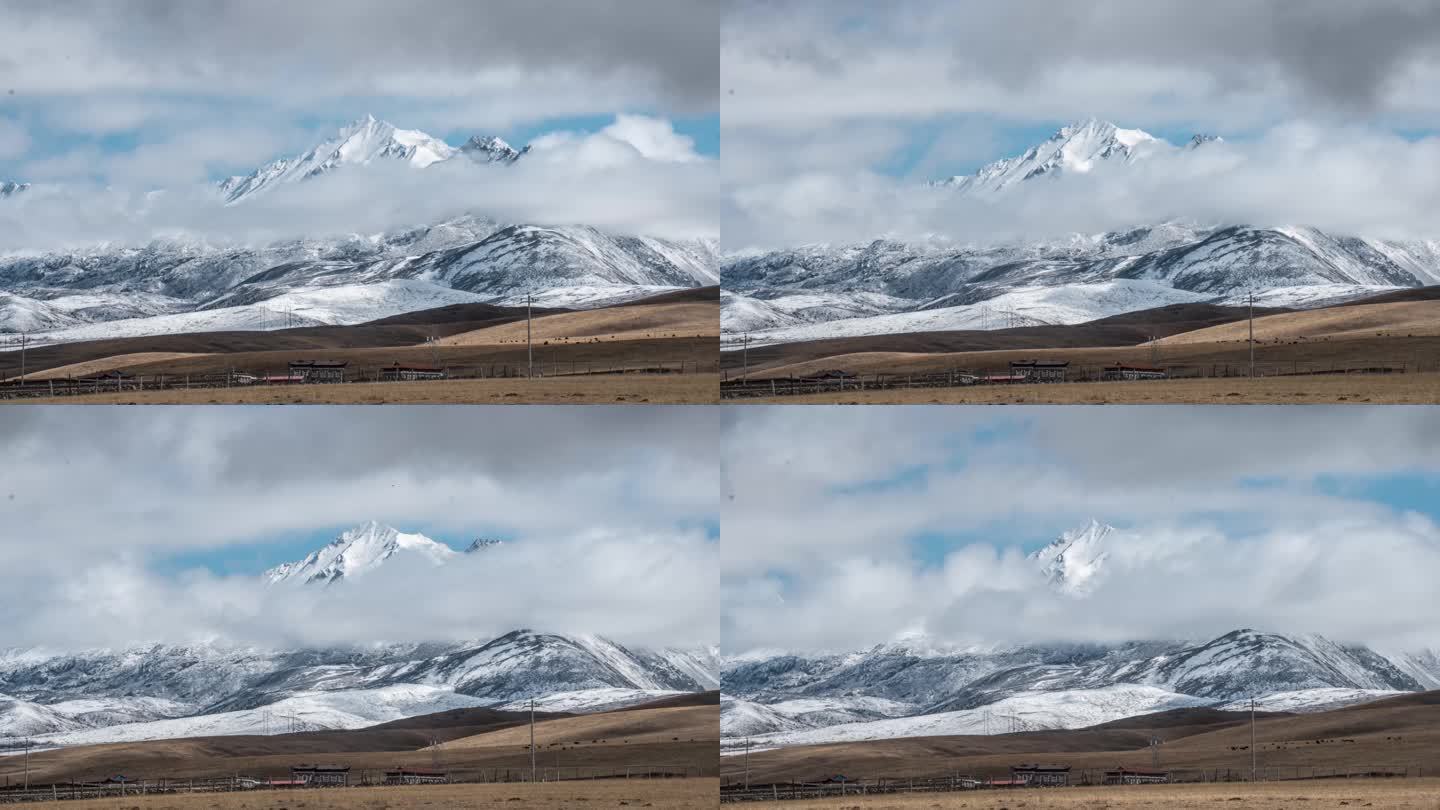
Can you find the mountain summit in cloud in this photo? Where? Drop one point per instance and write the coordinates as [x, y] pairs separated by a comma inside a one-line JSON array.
[[1076, 148], [361, 143], [1074, 564], [360, 551]]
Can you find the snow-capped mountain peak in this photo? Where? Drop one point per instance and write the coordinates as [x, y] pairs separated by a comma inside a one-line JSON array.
[[482, 543], [1201, 139], [357, 552], [492, 150], [1078, 148], [362, 142], [1074, 563]]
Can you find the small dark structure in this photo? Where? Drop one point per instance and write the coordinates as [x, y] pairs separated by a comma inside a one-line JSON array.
[[1041, 775], [399, 373], [1041, 371], [1126, 373], [319, 371], [321, 775], [1136, 776], [117, 779], [416, 776]]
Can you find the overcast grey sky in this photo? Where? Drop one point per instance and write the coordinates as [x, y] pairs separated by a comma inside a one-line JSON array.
[[610, 513], [846, 527], [833, 112]]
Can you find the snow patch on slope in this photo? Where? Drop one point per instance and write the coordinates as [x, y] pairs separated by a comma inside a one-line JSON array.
[[316, 711], [1311, 700], [591, 700], [1035, 306], [1029, 711], [316, 306]]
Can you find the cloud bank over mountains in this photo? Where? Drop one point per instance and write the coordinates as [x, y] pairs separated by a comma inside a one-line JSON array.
[[843, 533], [834, 117], [635, 176]]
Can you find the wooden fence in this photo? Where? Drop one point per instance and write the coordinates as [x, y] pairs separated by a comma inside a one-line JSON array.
[[732, 790], [238, 783], [35, 389], [957, 378]]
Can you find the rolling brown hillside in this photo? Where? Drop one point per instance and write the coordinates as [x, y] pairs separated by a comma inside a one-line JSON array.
[[1394, 734]]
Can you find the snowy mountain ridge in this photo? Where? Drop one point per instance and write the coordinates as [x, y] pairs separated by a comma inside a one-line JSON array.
[[363, 142], [915, 685], [1076, 148], [887, 691], [815, 292]]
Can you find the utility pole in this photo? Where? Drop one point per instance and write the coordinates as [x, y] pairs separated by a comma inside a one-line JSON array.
[[745, 357], [1252, 338], [23, 338], [532, 739], [1252, 739], [28, 743], [529, 372], [747, 763]]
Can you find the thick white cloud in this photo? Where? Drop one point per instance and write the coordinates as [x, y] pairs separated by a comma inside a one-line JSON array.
[[96, 505], [653, 138], [1347, 180], [846, 527], [601, 179]]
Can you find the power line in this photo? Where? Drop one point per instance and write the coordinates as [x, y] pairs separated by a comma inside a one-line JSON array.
[[1252, 739], [1252, 334]]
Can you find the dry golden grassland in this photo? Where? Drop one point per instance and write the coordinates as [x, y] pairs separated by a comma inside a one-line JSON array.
[[596, 389], [685, 723], [690, 319], [1400, 794], [679, 794]]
